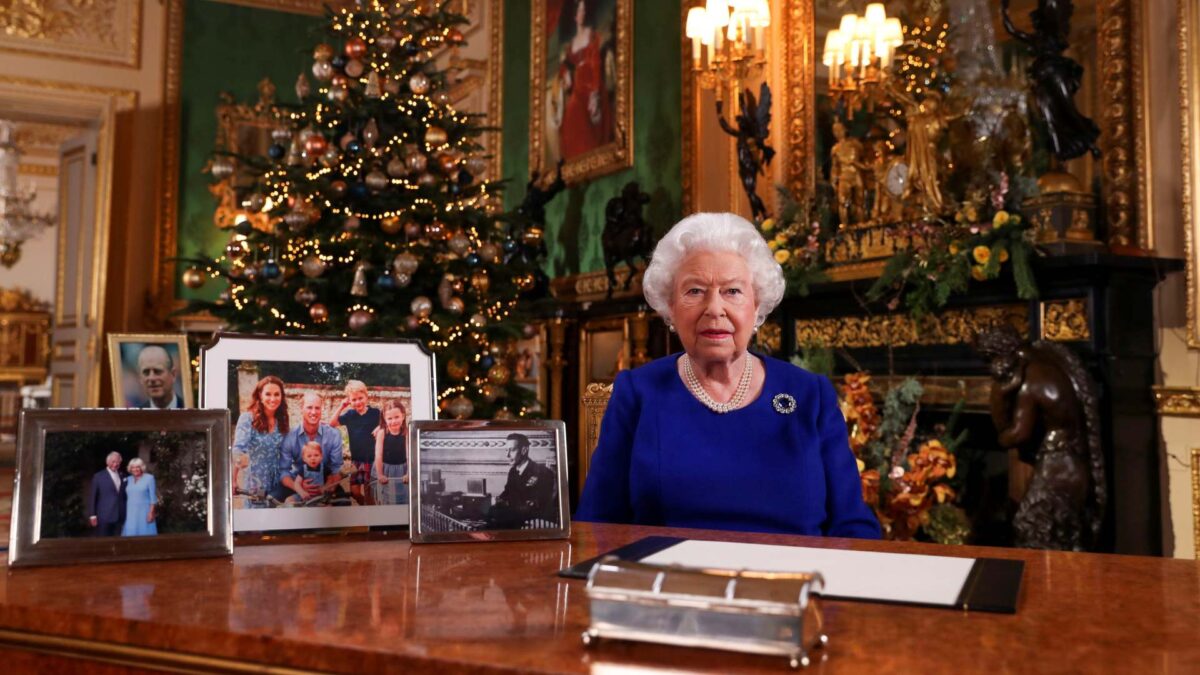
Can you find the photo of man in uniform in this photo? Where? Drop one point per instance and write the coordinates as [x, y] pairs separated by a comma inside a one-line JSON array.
[[530, 490]]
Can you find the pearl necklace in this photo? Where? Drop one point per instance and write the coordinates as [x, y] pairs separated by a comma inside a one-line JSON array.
[[697, 389]]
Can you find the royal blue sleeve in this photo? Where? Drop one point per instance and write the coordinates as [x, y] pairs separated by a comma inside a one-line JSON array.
[[605, 497], [847, 515]]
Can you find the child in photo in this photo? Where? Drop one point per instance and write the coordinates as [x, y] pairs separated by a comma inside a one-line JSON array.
[[360, 421], [391, 453], [312, 468]]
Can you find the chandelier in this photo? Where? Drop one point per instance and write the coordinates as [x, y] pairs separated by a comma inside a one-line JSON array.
[[728, 41], [17, 222], [859, 53]]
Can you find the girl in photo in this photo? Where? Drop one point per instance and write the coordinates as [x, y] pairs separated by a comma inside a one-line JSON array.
[[391, 452]]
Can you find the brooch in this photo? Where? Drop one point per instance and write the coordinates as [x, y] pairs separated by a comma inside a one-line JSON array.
[[784, 404]]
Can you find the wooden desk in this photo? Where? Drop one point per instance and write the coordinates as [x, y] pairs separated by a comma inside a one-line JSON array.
[[387, 606]]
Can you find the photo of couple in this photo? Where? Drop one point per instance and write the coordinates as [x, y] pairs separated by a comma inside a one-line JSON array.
[[318, 435], [124, 484]]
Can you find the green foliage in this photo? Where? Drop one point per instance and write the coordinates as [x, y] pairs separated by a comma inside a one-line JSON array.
[[815, 359]]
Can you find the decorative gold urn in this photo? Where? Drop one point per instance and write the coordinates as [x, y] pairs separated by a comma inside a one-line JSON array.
[[1063, 214]]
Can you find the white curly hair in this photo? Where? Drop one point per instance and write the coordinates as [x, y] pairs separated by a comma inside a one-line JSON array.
[[713, 232], [136, 461]]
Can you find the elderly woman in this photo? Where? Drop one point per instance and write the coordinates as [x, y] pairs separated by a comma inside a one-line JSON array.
[[718, 437], [141, 504]]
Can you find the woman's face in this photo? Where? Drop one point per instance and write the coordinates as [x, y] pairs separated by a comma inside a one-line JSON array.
[[580, 12], [272, 396], [394, 418], [136, 470], [713, 306]]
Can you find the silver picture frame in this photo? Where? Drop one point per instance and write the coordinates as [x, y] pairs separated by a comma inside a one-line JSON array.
[[232, 362], [469, 480], [46, 530]]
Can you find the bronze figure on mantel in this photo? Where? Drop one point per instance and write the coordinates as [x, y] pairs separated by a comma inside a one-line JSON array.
[[626, 236], [1044, 404], [753, 153]]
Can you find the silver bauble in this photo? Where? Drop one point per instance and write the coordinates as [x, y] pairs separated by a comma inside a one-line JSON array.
[[422, 306], [396, 167], [419, 83], [312, 266], [322, 70], [222, 168], [376, 180], [405, 263], [459, 244]]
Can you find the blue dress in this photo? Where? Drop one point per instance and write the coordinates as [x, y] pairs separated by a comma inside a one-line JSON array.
[[140, 494], [665, 459], [263, 450]]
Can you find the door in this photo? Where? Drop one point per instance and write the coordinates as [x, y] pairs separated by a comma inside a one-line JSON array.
[[75, 339]]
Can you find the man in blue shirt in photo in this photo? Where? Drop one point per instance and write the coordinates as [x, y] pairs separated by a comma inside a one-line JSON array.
[[311, 429]]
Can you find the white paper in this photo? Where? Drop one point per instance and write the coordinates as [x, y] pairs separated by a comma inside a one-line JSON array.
[[859, 575]]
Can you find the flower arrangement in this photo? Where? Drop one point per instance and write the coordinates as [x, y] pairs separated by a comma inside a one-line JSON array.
[[798, 239], [913, 492]]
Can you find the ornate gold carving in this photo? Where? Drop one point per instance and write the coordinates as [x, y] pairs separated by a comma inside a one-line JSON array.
[[607, 158], [45, 170], [492, 141], [1196, 500], [955, 326], [593, 286], [941, 391], [163, 280], [1189, 98], [99, 31], [799, 92], [1065, 320], [1177, 401], [313, 7], [21, 300], [242, 129], [689, 120], [24, 336], [1115, 18]]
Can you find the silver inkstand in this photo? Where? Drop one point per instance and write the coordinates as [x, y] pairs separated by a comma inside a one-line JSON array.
[[756, 612]]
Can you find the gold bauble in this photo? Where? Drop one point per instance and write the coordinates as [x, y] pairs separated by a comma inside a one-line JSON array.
[[194, 277], [318, 312], [532, 236], [456, 306], [491, 392], [480, 281], [391, 225], [503, 414], [436, 136], [457, 369], [524, 281], [499, 374], [477, 320], [460, 408]]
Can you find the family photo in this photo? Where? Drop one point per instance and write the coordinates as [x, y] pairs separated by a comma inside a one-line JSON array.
[[124, 484], [319, 434], [485, 479]]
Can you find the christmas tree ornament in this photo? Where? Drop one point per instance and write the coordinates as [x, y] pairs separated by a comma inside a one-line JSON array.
[[472, 259], [489, 252], [351, 223], [236, 249], [337, 188], [476, 165], [338, 94], [263, 301], [385, 42], [503, 414], [417, 162], [360, 319], [250, 273], [455, 37], [314, 145], [339, 80], [318, 312], [221, 168], [302, 87], [459, 243], [499, 374], [532, 236], [510, 245], [396, 168], [480, 282], [322, 70], [447, 162], [373, 89], [427, 180], [412, 229], [194, 277], [346, 139], [312, 266], [305, 296], [460, 408], [295, 153], [419, 83], [359, 191], [456, 306], [437, 231], [224, 297], [487, 361], [477, 320], [270, 270], [403, 280], [354, 68], [353, 147], [358, 287], [391, 85], [422, 306], [435, 136], [405, 263], [370, 134], [296, 220], [322, 52], [330, 157], [445, 292], [491, 392], [457, 369], [254, 202], [386, 282], [244, 227], [524, 282], [377, 181], [276, 151], [281, 134], [441, 97], [456, 283], [356, 47], [338, 62], [412, 323]]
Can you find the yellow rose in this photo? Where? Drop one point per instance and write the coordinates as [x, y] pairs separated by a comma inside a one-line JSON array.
[[768, 225], [981, 254], [1003, 255], [772, 244], [798, 253], [954, 249], [977, 273], [972, 214], [781, 238], [782, 255], [1000, 219]]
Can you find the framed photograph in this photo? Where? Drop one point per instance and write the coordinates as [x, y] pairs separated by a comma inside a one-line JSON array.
[[150, 370], [113, 485], [581, 100], [478, 480], [319, 426]]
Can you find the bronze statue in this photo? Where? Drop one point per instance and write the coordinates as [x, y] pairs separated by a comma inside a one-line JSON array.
[[1056, 78], [1043, 404], [753, 127], [625, 235], [539, 191], [846, 167]]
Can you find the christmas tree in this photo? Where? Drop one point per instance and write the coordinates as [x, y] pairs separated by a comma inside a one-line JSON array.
[[368, 216]]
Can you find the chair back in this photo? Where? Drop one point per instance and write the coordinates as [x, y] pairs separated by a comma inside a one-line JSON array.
[[595, 402]]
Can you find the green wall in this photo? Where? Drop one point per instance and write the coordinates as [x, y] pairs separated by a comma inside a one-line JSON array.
[[575, 219], [227, 48]]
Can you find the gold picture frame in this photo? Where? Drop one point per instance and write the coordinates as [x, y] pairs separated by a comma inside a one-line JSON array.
[[551, 102], [243, 129], [124, 350], [1189, 99], [1196, 500]]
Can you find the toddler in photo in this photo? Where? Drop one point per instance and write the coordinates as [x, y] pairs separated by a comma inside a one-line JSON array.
[[360, 421], [312, 468]]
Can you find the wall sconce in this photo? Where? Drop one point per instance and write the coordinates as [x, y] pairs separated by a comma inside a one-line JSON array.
[[728, 41]]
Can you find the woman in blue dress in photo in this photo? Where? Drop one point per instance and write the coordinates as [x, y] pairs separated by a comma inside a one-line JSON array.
[[141, 502], [257, 440], [718, 437]]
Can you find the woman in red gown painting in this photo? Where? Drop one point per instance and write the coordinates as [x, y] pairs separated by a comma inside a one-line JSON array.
[[587, 109]]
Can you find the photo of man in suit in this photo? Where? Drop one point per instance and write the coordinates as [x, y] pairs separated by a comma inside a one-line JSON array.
[[106, 502], [156, 373], [529, 491]]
